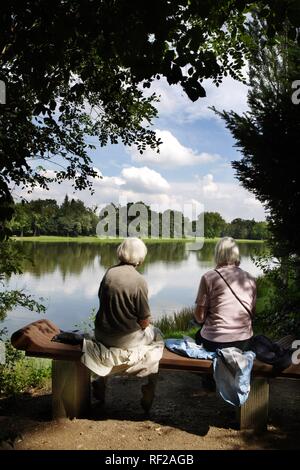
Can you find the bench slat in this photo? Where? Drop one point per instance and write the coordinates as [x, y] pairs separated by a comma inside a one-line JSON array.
[[173, 361]]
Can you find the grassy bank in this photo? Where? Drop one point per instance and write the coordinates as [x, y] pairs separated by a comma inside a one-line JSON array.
[[58, 239], [54, 239], [178, 324]]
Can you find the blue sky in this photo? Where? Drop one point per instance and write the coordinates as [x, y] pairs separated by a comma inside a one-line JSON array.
[[193, 166]]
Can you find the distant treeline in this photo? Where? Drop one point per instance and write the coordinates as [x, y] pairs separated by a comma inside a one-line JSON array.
[[245, 229], [45, 217], [73, 218]]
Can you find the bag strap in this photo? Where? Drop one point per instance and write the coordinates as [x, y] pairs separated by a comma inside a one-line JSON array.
[[246, 308]]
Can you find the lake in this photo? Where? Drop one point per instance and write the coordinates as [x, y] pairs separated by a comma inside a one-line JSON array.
[[67, 277]]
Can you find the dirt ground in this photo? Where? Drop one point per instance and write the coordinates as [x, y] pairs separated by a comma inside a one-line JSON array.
[[183, 417]]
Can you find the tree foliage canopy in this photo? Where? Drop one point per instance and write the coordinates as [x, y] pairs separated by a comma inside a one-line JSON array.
[[269, 137], [46, 217]]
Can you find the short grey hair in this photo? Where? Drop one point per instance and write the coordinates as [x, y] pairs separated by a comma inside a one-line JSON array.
[[227, 252], [132, 251]]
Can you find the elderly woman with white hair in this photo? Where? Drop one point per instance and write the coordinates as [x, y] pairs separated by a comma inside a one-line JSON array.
[[225, 303], [124, 312], [123, 319]]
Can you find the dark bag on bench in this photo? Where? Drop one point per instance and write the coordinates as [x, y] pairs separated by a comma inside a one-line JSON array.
[[69, 337], [271, 353]]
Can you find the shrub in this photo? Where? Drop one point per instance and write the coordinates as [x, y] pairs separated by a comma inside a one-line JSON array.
[[20, 373], [278, 303]]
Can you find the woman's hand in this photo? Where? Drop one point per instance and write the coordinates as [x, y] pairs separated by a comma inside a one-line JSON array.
[[144, 323]]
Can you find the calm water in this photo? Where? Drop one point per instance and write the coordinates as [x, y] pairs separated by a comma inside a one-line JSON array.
[[67, 276]]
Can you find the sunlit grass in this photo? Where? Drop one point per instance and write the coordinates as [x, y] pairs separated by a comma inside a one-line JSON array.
[[92, 239], [178, 324], [57, 239]]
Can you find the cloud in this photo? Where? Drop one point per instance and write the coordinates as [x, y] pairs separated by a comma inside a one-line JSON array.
[[134, 184], [231, 200], [175, 105], [172, 153], [209, 186], [251, 201], [144, 180]]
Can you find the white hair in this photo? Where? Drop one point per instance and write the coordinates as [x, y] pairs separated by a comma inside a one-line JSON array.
[[227, 252], [132, 251]]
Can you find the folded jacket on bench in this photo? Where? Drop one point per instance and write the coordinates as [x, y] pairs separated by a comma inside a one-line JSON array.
[[232, 367]]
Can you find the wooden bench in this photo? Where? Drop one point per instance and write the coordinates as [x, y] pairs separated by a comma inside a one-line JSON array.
[[71, 382]]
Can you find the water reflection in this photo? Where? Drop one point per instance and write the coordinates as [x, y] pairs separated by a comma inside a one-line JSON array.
[[67, 275], [72, 258]]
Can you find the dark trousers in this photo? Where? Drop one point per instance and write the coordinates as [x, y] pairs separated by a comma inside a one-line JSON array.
[[244, 345]]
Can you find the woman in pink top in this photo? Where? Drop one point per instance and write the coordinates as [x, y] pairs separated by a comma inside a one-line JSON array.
[[225, 302]]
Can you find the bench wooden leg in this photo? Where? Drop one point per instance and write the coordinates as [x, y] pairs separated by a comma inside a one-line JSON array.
[[148, 391], [254, 413], [99, 389], [70, 389]]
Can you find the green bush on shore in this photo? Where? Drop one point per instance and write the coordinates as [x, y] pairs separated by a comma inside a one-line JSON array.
[[178, 325], [278, 303], [20, 374]]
